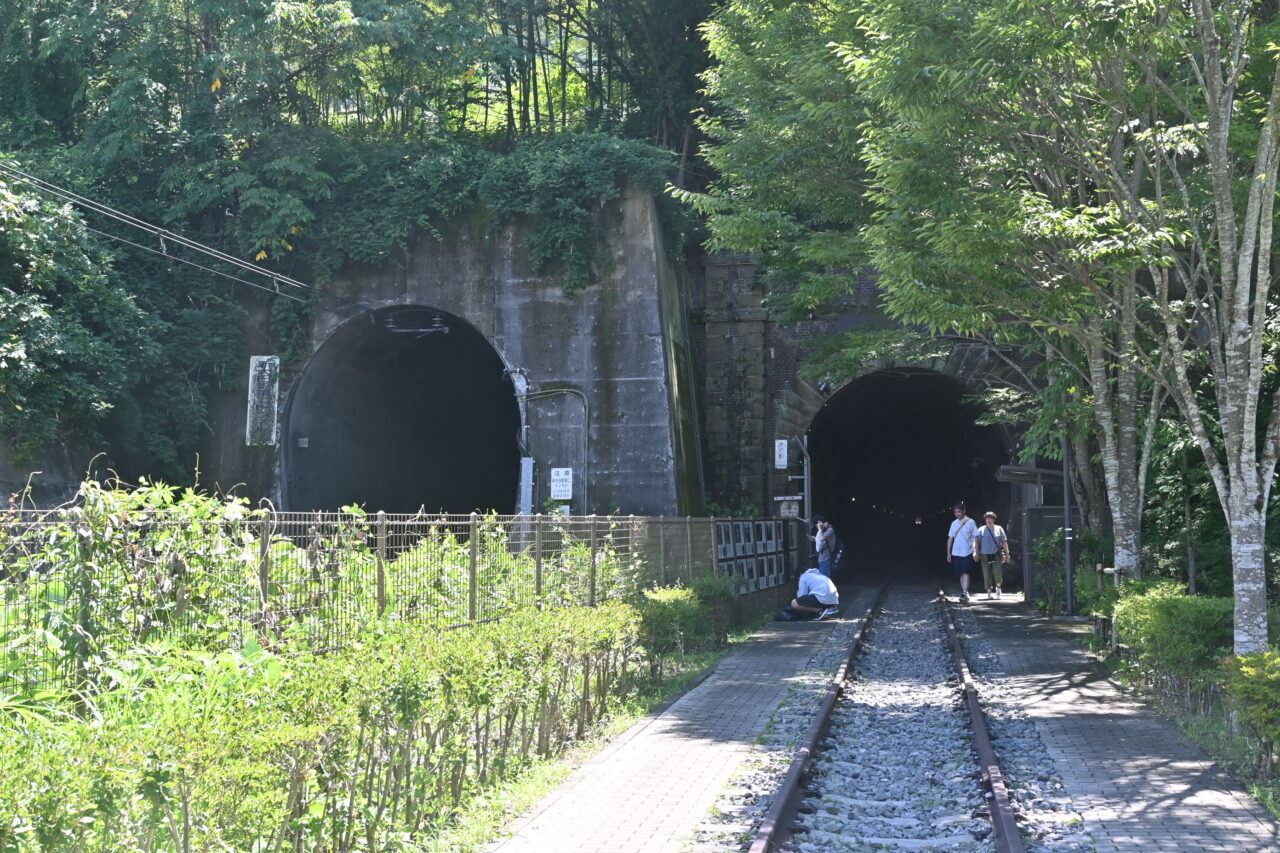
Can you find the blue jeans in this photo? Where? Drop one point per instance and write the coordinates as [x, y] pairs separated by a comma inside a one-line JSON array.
[[824, 566]]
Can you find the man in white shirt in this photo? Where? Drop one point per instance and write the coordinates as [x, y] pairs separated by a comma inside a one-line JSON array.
[[816, 597], [960, 547]]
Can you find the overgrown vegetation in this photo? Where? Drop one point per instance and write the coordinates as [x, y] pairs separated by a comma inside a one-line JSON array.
[[304, 137], [356, 750], [178, 710]]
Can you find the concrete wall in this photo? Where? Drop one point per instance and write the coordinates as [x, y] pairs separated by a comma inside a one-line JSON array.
[[51, 476], [604, 346]]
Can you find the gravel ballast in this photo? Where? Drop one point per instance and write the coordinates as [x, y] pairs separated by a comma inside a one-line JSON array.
[[896, 771]]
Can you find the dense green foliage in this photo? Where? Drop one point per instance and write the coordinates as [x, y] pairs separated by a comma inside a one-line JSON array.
[[305, 137], [81, 588], [177, 673], [1253, 681], [1175, 635], [783, 132], [72, 338], [1180, 646], [357, 750], [680, 619]]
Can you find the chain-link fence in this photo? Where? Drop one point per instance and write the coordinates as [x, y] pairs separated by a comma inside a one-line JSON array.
[[78, 589]]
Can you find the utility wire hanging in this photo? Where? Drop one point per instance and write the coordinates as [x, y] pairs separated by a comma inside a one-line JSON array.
[[273, 291], [164, 235]]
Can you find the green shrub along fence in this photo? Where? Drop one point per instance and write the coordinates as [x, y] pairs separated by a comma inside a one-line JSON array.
[[128, 567], [364, 749], [184, 673]]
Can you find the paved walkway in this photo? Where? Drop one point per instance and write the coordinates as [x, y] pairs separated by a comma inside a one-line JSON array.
[[648, 791], [1137, 781]]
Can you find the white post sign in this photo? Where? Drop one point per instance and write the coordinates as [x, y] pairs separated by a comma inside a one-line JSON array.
[[561, 484], [781, 456]]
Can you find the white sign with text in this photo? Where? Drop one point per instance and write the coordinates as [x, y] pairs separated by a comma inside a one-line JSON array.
[[561, 484], [781, 454]]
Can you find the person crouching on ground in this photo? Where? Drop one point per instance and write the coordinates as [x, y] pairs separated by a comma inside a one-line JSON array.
[[816, 596]]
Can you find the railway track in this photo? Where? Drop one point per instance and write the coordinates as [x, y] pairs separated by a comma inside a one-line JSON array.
[[898, 756]]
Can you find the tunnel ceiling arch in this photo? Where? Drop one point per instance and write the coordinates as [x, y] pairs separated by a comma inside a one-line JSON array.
[[401, 409], [897, 446]]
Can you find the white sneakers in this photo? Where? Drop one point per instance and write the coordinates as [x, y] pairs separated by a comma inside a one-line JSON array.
[[997, 592], [990, 597]]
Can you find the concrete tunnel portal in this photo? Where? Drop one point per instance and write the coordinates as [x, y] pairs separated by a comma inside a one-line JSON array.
[[891, 451], [401, 409]]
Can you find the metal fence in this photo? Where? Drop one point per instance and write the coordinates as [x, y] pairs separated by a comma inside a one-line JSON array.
[[79, 587]]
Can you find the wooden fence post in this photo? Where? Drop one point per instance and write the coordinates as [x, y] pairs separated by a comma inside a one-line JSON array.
[[591, 538], [688, 548], [715, 551], [537, 559], [474, 569], [382, 563], [264, 569]]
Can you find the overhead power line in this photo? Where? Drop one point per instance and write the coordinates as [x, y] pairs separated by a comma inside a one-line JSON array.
[[164, 235], [80, 224]]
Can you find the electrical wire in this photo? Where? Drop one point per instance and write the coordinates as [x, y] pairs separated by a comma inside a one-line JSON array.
[[166, 237], [167, 256], [163, 234]]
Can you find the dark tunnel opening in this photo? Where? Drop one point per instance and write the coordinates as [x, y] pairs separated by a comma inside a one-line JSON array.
[[891, 452], [403, 409]]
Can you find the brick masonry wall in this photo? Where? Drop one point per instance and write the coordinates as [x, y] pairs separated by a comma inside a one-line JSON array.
[[747, 357]]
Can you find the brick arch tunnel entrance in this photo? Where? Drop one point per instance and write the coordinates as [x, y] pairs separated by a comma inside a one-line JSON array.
[[891, 452], [401, 409]]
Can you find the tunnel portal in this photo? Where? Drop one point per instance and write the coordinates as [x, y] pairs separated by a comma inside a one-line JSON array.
[[401, 409], [891, 452]]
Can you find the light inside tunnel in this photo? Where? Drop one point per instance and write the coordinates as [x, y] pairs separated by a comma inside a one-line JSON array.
[[891, 452], [403, 409]]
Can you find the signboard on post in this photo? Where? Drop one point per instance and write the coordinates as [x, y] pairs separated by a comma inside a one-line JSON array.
[[261, 423], [789, 505], [781, 455], [561, 484]]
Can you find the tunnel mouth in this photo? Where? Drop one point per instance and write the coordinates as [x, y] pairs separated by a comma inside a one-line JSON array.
[[891, 452], [403, 409]]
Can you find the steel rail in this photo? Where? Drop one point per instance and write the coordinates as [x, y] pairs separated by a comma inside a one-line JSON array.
[[785, 804], [1007, 837]]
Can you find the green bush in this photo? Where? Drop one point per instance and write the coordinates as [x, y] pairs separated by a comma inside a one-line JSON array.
[[1172, 634], [668, 616], [718, 596], [366, 749], [1253, 682]]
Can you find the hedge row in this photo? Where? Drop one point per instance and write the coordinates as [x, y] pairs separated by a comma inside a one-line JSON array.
[[360, 750], [1183, 644], [677, 619]]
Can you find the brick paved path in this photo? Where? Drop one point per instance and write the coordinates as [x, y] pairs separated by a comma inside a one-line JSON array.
[[1139, 784], [647, 792]]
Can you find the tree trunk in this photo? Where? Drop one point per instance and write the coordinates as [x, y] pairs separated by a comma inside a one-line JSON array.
[[1247, 529], [1115, 412], [1087, 484]]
